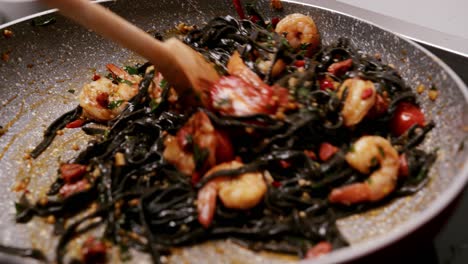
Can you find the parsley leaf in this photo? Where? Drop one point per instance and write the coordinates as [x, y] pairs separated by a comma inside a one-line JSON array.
[[131, 70], [115, 104], [163, 83], [153, 105]]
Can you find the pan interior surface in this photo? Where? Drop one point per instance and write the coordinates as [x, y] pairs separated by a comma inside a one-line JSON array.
[[48, 65]]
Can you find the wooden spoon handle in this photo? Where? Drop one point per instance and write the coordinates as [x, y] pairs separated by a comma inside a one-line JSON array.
[[112, 26]]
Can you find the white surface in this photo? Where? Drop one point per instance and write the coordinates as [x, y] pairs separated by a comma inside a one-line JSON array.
[[448, 16]]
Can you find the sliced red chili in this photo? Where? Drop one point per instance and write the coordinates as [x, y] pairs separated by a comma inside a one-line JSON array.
[[72, 172], [75, 124], [239, 10], [319, 249], [275, 21], [327, 151]]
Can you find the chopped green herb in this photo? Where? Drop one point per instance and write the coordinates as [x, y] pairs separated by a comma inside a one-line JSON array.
[[131, 70], [305, 46], [302, 92], [154, 105], [433, 87], [125, 81], [20, 208], [163, 83], [374, 161], [72, 91], [115, 104]]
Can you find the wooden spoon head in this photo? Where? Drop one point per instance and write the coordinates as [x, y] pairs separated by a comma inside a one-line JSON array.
[[195, 71]]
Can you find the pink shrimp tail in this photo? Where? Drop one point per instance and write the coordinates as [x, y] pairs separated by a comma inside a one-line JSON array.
[[351, 194]]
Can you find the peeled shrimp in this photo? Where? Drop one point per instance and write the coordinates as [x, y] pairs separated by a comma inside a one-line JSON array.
[[103, 100], [367, 152], [360, 98], [299, 29], [179, 149], [242, 192]]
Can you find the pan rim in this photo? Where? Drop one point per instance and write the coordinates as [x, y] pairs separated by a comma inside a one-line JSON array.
[[361, 249]]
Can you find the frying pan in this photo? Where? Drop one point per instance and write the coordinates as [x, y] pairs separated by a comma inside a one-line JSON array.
[[48, 65]]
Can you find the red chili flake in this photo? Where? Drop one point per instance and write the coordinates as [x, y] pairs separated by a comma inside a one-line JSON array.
[[94, 251], [299, 63], [275, 21], [96, 77], [403, 170], [103, 99], [254, 19], [367, 93], [319, 249], [310, 154], [326, 84], [339, 68], [72, 172], [71, 188], [75, 124], [284, 164], [326, 151], [238, 6], [276, 184]]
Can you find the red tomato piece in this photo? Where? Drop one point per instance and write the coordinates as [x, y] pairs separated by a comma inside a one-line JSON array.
[[327, 151], [94, 251], [406, 115], [96, 77], [299, 63], [320, 249], [72, 172], [75, 124], [276, 184], [403, 170], [224, 149]]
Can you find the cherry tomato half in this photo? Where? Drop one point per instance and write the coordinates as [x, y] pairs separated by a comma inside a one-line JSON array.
[[406, 115]]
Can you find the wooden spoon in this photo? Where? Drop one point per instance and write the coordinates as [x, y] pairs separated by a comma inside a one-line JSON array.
[[182, 66]]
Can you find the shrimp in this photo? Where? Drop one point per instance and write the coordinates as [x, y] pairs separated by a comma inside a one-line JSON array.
[[360, 98], [299, 29], [242, 192], [198, 133], [367, 152], [244, 93], [103, 100]]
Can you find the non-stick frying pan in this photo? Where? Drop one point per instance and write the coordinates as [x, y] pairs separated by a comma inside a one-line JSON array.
[[48, 64]]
